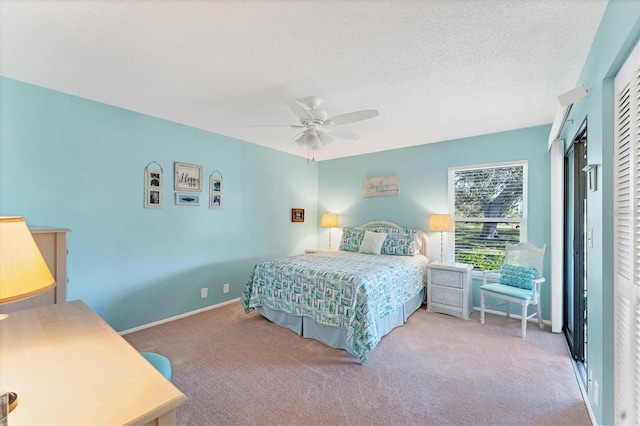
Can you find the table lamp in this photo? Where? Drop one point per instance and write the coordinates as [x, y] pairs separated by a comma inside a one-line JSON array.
[[441, 223], [23, 270], [329, 220]]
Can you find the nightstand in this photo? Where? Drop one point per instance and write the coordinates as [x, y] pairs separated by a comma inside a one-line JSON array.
[[449, 289], [318, 250]]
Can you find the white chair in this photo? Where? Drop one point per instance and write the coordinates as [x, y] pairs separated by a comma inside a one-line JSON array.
[[510, 283]]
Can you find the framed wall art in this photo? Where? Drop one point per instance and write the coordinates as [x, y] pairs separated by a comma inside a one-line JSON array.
[[382, 186], [297, 215], [187, 199], [153, 184], [188, 177], [216, 188]]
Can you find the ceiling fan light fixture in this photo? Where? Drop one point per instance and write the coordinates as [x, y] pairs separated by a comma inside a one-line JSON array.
[[300, 140], [311, 140]]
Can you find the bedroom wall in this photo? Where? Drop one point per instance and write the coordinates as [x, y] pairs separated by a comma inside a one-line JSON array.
[[618, 33], [73, 163], [423, 175]]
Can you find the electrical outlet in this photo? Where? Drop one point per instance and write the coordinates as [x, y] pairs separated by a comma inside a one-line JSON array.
[[204, 293], [225, 288], [596, 393]]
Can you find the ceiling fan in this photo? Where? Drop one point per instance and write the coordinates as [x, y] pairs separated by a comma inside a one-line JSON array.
[[316, 127]]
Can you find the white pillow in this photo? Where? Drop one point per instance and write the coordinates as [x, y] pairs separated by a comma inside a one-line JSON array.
[[372, 242], [418, 244]]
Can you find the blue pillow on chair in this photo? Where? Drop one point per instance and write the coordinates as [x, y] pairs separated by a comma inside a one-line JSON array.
[[517, 276]]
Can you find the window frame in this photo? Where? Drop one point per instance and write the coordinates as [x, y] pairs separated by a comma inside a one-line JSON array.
[[523, 221]]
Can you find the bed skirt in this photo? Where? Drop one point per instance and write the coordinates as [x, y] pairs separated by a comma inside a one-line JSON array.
[[337, 337]]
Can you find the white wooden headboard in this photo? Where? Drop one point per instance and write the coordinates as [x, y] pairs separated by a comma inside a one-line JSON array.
[[422, 236]]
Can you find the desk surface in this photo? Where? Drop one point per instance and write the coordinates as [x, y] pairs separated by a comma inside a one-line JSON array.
[[69, 367]]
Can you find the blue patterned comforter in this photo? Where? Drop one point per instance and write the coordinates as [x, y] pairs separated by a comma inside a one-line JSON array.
[[340, 289]]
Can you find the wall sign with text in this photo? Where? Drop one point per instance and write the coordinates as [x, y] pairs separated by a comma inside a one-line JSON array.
[[188, 177], [383, 186]]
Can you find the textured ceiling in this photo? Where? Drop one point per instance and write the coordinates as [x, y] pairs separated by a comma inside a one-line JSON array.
[[435, 69]]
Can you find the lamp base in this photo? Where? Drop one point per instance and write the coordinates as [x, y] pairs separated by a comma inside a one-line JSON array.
[[13, 400], [8, 401]]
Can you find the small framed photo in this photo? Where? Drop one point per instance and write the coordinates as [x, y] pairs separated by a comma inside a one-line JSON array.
[[215, 193], [216, 184], [187, 199], [152, 188], [188, 177], [153, 178], [297, 215], [153, 198], [215, 202]]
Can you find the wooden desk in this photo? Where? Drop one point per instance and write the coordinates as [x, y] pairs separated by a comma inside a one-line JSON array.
[[69, 367]]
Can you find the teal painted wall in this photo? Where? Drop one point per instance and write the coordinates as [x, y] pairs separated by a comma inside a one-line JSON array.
[[423, 174], [73, 163], [618, 33]]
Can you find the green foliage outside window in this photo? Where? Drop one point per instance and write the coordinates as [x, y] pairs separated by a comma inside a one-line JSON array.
[[483, 258]]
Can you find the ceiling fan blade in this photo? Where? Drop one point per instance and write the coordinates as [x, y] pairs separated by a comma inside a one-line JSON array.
[[325, 139], [299, 110], [294, 126], [352, 117], [341, 133]]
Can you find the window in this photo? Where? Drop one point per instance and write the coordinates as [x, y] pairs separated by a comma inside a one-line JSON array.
[[489, 205]]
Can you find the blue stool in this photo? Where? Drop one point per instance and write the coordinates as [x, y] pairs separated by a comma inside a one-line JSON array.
[[161, 363]]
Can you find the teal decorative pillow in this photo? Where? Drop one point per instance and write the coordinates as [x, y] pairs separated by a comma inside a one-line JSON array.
[[517, 276], [351, 239], [399, 242], [372, 242]]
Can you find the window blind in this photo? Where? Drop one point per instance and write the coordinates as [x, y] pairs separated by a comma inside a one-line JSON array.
[[489, 210]]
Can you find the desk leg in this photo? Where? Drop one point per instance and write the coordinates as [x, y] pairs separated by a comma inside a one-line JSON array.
[[167, 419]]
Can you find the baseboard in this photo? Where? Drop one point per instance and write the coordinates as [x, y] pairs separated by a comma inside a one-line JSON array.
[[186, 314], [503, 314], [583, 391]]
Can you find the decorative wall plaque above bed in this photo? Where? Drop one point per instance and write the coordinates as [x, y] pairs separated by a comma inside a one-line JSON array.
[[382, 186]]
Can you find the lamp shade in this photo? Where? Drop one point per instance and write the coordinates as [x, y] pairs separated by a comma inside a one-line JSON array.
[[23, 270], [329, 220], [440, 223]]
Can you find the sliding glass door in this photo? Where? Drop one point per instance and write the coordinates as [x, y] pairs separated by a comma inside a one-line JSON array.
[[575, 278]]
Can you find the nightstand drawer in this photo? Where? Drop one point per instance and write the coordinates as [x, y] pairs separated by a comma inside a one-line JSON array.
[[447, 278], [444, 296]]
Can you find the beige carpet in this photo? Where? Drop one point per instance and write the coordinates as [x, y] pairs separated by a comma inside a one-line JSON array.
[[240, 369]]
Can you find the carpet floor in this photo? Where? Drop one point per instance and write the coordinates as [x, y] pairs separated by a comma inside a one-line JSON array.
[[240, 369]]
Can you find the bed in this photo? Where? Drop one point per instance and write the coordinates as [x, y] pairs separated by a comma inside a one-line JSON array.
[[348, 298]]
